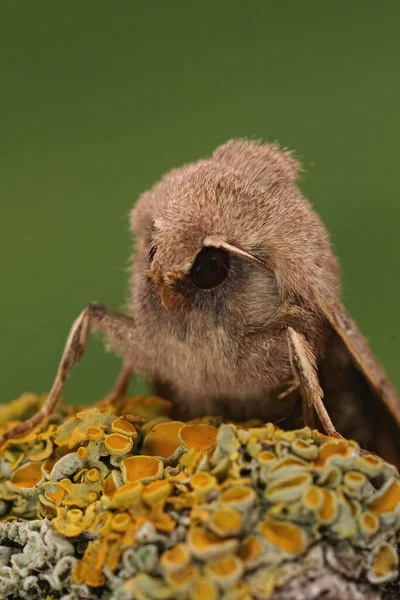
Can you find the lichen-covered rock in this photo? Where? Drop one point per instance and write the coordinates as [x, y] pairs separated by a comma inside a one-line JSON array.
[[134, 505]]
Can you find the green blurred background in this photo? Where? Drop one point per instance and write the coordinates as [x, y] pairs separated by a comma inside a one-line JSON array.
[[98, 99]]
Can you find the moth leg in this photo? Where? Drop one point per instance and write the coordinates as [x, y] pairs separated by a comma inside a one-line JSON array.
[[121, 385], [96, 316], [307, 409], [294, 385], [305, 370]]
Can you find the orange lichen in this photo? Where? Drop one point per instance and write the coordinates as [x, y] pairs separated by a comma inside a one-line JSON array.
[[141, 468], [198, 437], [330, 476], [387, 499], [81, 494], [110, 485], [183, 579], [127, 495], [328, 511], [239, 497], [54, 492], [226, 521], [250, 551], [205, 545], [304, 448], [176, 558], [225, 571], [28, 476], [71, 522], [288, 489], [118, 444], [202, 483], [369, 464], [90, 569], [123, 426], [95, 433], [266, 458], [336, 449], [368, 523], [384, 564], [288, 466], [148, 407], [313, 497], [354, 481], [156, 492], [41, 451], [203, 589], [120, 522], [288, 537], [163, 439], [217, 508]]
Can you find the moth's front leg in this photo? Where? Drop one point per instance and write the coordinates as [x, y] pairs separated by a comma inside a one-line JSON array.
[[95, 317], [304, 368]]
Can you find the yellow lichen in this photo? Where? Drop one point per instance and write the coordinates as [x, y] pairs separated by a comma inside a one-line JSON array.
[[250, 551], [163, 439], [28, 476], [226, 521], [141, 468], [222, 504], [198, 437], [156, 492], [288, 489], [288, 537], [124, 427], [176, 558], [203, 589], [202, 483], [335, 451], [313, 497], [225, 571], [239, 497], [384, 564], [329, 509], [205, 545], [181, 581], [387, 499], [368, 523], [287, 467], [127, 495], [118, 444]]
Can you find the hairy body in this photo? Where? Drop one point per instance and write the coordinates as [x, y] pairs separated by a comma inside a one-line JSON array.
[[230, 341]]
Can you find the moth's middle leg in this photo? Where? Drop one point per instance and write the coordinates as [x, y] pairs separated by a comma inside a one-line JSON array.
[[121, 385]]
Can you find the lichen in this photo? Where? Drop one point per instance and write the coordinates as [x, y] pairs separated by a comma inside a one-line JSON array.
[[131, 504]]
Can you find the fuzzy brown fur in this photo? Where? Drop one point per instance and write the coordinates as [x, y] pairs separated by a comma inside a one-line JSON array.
[[227, 342]]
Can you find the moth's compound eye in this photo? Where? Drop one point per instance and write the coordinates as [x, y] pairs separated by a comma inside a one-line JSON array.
[[151, 252], [210, 268]]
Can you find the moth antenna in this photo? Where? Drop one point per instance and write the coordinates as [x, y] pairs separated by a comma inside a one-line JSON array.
[[218, 242]]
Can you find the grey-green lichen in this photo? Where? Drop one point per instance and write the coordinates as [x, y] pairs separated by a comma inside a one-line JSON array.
[[138, 506]]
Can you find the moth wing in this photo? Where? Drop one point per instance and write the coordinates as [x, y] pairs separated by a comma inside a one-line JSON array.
[[357, 388]]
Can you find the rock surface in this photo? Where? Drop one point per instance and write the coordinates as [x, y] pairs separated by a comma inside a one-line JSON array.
[[135, 505]]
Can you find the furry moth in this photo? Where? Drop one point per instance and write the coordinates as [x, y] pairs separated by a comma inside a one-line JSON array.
[[234, 306]]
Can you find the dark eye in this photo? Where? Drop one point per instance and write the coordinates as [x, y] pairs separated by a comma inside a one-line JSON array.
[[210, 268]]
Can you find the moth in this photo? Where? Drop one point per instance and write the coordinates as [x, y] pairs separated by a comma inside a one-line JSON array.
[[234, 306]]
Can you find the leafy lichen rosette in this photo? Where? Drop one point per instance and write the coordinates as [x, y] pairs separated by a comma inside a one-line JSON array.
[[132, 504]]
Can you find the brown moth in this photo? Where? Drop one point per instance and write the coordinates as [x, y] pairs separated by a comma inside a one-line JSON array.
[[234, 306]]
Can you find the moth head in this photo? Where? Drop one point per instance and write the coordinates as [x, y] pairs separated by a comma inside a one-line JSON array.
[[227, 224], [212, 272]]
